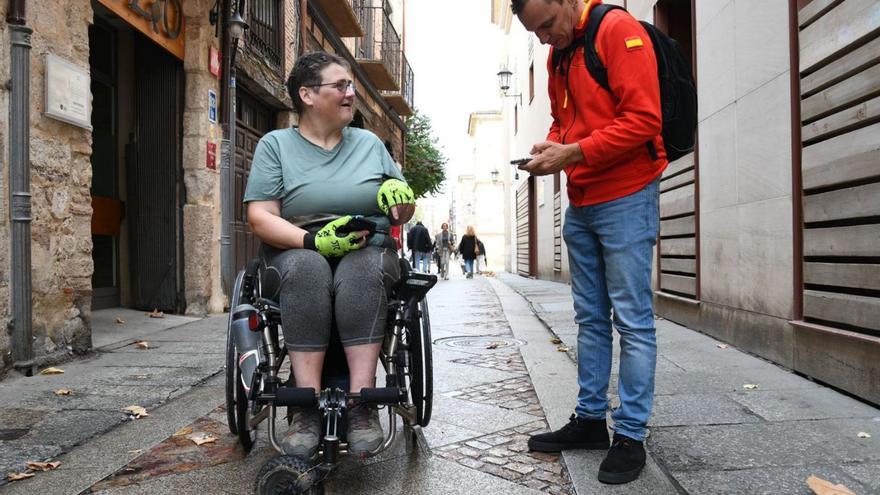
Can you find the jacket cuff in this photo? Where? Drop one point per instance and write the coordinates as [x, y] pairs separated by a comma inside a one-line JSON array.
[[309, 242]]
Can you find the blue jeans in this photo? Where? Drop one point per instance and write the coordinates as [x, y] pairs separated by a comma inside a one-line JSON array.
[[423, 261], [610, 250], [468, 266]]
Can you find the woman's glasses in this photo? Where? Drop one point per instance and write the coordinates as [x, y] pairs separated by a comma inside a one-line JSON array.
[[341, 85]]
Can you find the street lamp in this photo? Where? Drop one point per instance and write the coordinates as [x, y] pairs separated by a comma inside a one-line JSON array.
[[504, 84], [235, 28]]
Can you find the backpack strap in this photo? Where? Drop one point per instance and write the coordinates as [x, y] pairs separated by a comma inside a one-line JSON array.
[[591, 58]]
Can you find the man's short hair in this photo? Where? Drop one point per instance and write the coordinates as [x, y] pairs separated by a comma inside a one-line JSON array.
[[307, 72], [517, 5]]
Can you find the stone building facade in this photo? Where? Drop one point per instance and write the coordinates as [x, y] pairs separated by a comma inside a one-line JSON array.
[[127, 209]]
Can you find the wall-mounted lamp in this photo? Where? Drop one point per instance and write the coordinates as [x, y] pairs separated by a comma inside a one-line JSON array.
[[494, 174], [504, 83], [236, 26]]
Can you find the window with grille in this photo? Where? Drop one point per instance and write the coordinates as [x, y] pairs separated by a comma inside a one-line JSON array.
[[266, 30]]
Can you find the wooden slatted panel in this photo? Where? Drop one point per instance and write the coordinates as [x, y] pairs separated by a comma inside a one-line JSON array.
[[851, 275], [678, 265], [814, 10], [844, 25], [858, 311], [857, 88], [851, 63], [522, 229], [557, 231]]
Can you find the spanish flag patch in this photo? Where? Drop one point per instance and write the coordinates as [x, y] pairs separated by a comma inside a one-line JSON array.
[[634, 43]]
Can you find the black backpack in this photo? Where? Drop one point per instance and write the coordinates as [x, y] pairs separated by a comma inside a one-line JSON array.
[[678, 92]]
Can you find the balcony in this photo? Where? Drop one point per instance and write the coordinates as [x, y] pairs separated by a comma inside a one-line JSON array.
[[402, 101], [341, 15], [379, 51]]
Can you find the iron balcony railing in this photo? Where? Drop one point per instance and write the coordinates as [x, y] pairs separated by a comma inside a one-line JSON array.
[[266, 30], [380, 41], [406, 81]]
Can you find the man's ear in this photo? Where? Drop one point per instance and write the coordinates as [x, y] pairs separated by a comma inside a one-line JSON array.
[[305, 94]]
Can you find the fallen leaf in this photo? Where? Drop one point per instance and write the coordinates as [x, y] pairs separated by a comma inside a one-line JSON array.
[[723, 346], [563, 348], [156, 314], [42, 466], [137, 411], [142, 344], [492, 345], [63, 391], [120, 321], [52, 371], [555, 340], [750, 386], [825, 487], [136, 451], [183, 431], [862, 434], [202, 438], [19, 476]]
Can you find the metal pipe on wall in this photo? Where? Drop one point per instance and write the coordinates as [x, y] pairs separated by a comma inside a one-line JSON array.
[[19, 186]]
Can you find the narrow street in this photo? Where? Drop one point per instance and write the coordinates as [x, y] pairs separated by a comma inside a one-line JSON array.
[[502, 371]]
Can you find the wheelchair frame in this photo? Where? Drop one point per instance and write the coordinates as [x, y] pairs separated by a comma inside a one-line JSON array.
[[405, 356]]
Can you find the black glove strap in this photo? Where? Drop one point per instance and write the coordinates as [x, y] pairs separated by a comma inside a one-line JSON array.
[[309, 242]]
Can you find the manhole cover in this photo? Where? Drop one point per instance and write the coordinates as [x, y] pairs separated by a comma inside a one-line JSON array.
[[480, 342]]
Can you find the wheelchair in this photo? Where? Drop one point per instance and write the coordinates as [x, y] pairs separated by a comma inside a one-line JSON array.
[[255, 348]]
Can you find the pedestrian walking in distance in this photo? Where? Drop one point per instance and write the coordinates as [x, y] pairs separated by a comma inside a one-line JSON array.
[[467, 249], [608, 142]]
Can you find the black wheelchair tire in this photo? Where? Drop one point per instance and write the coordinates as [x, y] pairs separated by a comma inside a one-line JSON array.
[[421, 369], [232, 359], [278, 476], [247, 437]]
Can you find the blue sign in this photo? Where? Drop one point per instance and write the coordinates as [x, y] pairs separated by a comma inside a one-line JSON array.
[[212, 106]]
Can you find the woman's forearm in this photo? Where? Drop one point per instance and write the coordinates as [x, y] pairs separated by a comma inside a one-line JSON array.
[[275, 231]]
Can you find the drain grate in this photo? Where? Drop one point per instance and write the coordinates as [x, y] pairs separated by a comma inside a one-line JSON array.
[[480, 342]]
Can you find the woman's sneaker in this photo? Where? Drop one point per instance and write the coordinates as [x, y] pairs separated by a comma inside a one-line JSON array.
[[364, 430], [302, 437]]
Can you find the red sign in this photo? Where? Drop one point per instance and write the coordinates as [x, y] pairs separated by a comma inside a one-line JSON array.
[[214, 61], [212, 156]]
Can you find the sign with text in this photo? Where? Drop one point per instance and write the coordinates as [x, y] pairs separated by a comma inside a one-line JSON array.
[[160, 20], [211, 158], [214, 61], [212, 106], [68, 92]]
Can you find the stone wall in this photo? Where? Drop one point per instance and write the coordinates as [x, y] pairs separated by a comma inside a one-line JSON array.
[[60, 181]]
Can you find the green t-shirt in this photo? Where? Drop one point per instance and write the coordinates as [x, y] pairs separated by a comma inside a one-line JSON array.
[[315, 185]]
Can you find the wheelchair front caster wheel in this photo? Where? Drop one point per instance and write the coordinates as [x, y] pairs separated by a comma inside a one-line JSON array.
[[287, 475]]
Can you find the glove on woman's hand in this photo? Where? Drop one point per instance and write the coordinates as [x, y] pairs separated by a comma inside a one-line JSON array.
[[394, 192], [330, 245]]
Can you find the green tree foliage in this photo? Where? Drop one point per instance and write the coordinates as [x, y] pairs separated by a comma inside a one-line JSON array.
[[424, 169]]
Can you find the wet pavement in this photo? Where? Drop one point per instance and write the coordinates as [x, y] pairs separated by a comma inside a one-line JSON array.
[[503, 369]]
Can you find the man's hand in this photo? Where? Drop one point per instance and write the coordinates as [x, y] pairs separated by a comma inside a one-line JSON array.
[[330, 245], [396, 199], [550, 157]]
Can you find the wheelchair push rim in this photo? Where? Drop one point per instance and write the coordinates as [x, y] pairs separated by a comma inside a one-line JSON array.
[[421, 372], [232, 360]]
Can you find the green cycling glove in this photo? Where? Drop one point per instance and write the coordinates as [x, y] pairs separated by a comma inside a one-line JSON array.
[[330, 245], [394, 192]]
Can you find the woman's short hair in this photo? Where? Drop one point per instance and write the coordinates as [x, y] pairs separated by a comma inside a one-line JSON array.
[[470, 230], [307, 72]]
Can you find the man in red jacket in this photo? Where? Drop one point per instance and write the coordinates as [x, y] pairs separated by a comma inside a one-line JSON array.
[[609, 144]]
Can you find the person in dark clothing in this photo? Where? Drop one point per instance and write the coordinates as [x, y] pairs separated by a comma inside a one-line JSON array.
[[419, 242], [467, 250], [480, 260]]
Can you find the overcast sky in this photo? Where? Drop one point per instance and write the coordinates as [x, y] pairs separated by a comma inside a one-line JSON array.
[[454, 51]]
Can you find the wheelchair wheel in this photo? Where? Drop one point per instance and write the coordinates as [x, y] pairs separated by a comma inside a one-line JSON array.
[[422, 370], [283, 475], [232, 359]]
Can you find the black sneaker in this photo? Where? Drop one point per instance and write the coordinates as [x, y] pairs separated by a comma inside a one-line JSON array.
[[624, 461], [579, 433]]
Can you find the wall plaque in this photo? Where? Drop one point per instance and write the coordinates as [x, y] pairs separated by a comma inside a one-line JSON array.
[[68, 92]]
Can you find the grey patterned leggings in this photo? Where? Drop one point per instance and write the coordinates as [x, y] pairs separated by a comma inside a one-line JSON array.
[[310, 287]]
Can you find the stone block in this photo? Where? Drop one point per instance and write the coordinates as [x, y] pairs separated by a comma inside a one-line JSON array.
[[716, 63], [718, 160], [762, 48]]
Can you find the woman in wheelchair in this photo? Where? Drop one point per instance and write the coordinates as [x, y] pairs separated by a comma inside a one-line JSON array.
[[321, 198]]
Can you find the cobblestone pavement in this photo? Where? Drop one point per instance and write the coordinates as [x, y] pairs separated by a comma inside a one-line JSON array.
[[515, 394]]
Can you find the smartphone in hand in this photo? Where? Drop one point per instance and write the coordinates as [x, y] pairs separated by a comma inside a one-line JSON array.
[[520, 161]]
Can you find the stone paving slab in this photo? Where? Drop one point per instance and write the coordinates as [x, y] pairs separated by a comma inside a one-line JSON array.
[[766, 481]]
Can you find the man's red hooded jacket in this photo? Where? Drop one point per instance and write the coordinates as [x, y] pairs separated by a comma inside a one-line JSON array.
[[611, 128]]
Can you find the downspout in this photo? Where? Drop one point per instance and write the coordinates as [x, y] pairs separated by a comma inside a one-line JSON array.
[[20, 186], [227, 151], [303, 32]]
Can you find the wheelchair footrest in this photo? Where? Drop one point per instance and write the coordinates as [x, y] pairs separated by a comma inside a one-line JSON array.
[[381, 395], [294, 396]]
